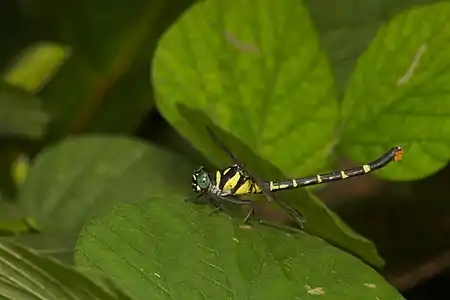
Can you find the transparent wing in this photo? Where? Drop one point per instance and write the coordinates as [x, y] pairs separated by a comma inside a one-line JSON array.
[[221, 145], [292, 211]]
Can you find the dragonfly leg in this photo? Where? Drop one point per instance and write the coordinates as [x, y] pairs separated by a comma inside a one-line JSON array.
[[218, 206], [236, 200], [215, 211], [198, 199], [251, 213], [219, 200], [280, 226]]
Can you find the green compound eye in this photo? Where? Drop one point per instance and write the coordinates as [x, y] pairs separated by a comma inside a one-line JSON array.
[[203, 180], [200, 180]]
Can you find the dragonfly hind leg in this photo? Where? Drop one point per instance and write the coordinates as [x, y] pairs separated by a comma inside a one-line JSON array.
[[250, 214], [199, 199], [218, 206], [219, 200], [215, 211]]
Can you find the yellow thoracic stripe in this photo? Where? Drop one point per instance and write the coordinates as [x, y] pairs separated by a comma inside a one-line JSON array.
[[218, 179], [231, 183]]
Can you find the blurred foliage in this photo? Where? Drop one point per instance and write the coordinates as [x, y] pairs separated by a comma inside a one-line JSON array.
[[27, 275], [35, 66], [291, 87]]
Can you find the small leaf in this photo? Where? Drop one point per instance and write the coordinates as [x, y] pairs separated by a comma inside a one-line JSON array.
[[20, 168], [36, 65], [82, 176], [27, 275], [21, 114], [166, 248], [398, 95]]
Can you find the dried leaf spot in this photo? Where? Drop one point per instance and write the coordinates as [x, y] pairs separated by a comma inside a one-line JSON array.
[[370, 285], [240, 45], [246, 227], [316, 291]]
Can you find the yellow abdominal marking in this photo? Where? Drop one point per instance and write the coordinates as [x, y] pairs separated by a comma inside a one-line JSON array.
[[343, 175], [319, 179], [272, 187], [366, 168], [226, 171], [283, 186], [256, 189], [294, 183], [275, 186]]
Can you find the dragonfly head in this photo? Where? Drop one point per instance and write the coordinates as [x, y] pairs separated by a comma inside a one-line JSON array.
[[200, 180]]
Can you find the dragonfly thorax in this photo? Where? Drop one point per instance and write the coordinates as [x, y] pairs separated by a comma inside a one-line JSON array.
[[200, 180]]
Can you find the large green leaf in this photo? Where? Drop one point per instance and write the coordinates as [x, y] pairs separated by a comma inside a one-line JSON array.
[[399, 94], [168, 249], [81, 176], [257, 70], [27, 275]]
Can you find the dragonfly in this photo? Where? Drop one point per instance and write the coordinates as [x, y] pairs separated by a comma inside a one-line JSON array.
[[233, 182]]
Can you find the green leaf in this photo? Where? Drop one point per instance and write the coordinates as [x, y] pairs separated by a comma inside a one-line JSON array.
[[27, 275], [21, 114], [36, 65], [166, 248], [398, 95], [271, 89], [257, 70], [347, 27], [58, 245], [82, 176]]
